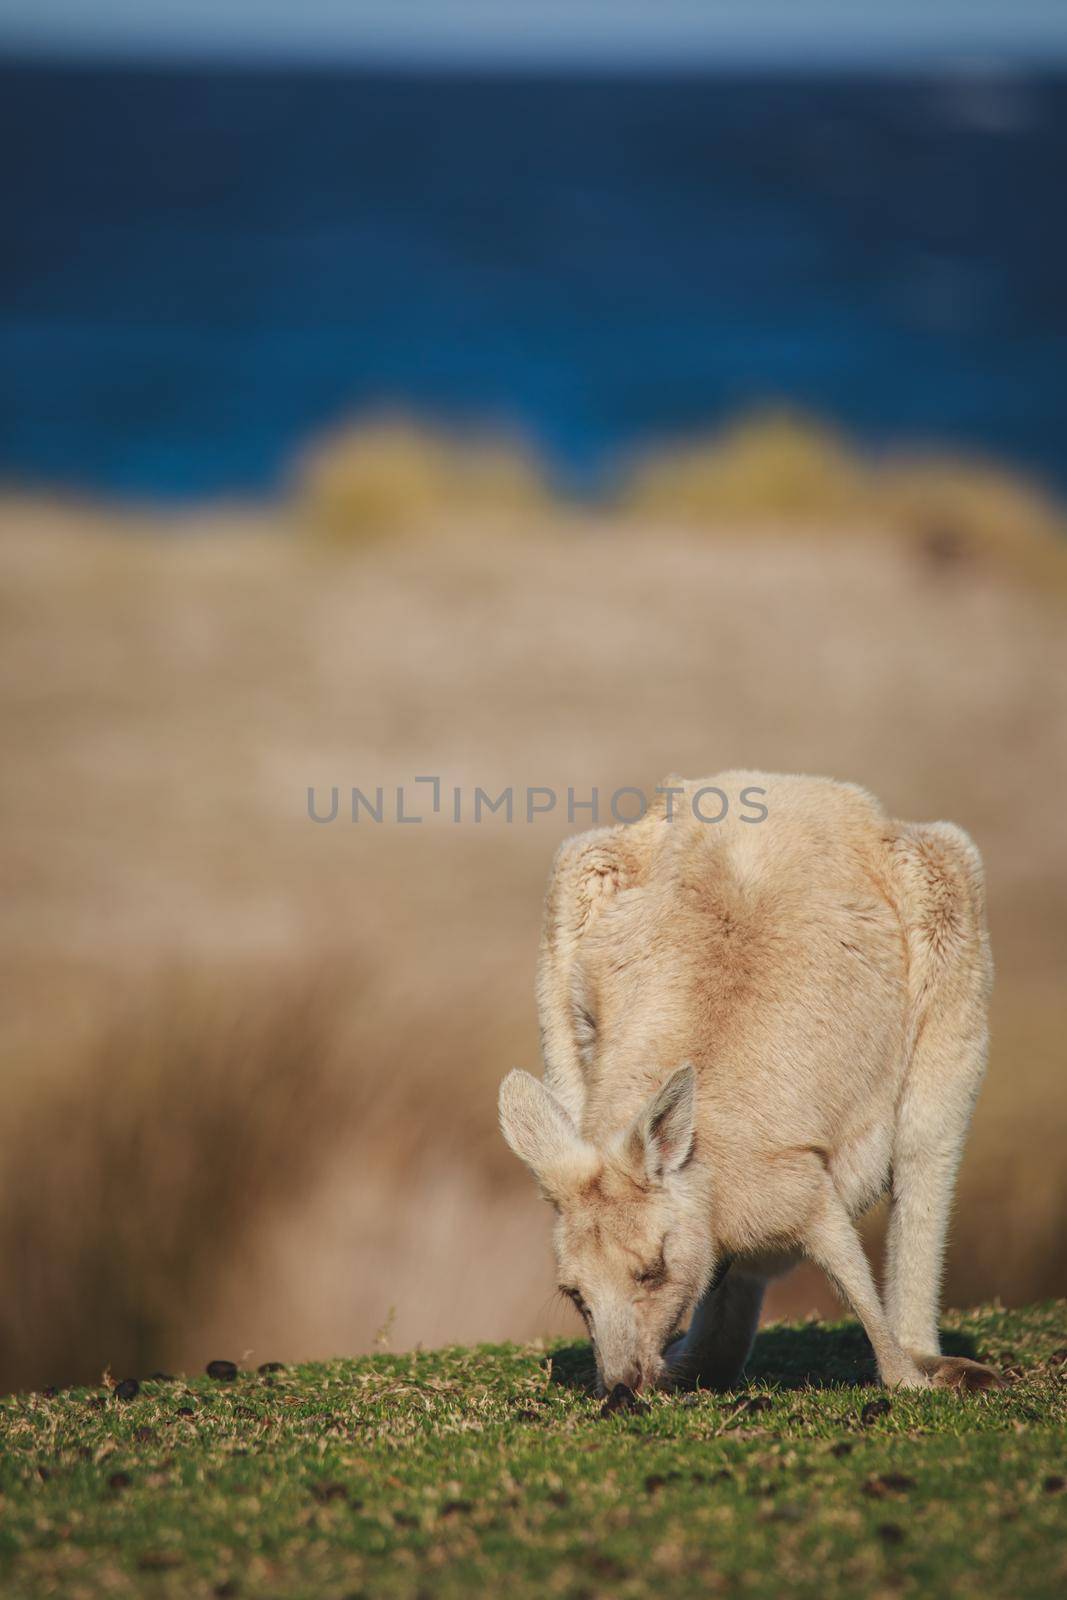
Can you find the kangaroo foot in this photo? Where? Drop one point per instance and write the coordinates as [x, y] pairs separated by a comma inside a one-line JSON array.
[[956, 1372]]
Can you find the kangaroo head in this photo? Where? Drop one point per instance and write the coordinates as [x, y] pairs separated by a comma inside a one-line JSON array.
[[633, 1246]]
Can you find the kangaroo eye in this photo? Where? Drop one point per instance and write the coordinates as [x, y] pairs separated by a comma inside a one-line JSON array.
[[652, 1277], [574, 1295], [584, 1025]]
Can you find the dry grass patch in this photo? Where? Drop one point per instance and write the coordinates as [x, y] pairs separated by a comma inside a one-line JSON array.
[[136, 1171]]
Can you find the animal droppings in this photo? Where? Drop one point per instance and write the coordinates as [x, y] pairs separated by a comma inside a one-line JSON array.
[[873, 1410], [456, 1508], [884, 1483], [325, 1492], [622, 1399]]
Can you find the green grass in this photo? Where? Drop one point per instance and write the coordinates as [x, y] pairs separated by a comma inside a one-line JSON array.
[[491, 1472]]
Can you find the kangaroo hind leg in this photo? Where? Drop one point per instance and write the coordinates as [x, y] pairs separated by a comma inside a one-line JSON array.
[[950, 973]]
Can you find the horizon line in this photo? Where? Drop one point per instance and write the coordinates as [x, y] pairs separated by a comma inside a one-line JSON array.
[[786, 59]]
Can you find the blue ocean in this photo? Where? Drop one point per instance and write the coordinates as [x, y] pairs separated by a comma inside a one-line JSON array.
[[203, 267]]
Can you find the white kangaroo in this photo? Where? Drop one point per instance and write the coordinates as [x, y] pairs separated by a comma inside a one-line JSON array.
[[751, 1030]]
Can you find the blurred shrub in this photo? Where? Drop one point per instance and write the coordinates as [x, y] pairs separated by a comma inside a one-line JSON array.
[[969, 511], [774, 471], [780, 471], [375, 478], [136, 1175], [771, 467]]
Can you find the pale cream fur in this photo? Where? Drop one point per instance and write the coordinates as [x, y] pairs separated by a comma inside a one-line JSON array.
[[751, 1031]]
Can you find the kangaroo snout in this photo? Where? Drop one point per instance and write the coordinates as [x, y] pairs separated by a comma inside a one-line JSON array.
[[640, 1376], [629, 1377]]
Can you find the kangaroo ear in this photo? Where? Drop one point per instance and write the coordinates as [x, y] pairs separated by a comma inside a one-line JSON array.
[[538, 1129], [661, 1138]]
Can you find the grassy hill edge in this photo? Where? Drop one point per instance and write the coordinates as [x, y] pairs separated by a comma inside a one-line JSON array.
[[468, 1471]]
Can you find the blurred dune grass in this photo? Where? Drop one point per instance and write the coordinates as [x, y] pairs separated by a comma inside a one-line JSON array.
[[784, 468], [392, 473], [968, 510], [251, 1062], [775, 470], [774, 464]]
